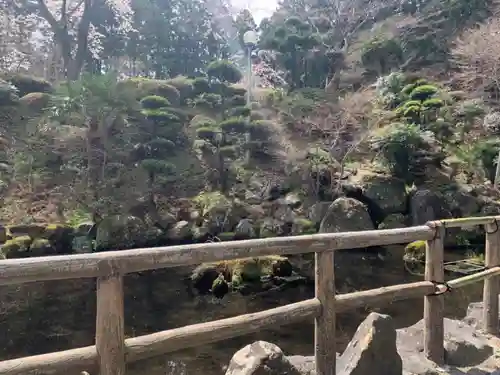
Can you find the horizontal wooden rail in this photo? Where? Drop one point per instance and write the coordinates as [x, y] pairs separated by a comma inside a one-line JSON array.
[[172, 340], [17, 271], [468, 221], [111, 351], [474, 278]]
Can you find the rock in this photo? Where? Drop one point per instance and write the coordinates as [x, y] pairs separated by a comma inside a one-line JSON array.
[[466, 353], [318, 211], [245, 229], [82, 244], [393, 221], [180, 231], [120, 232], [372, 349], [283, 212], [3, 234], [346, 214], [293, 200], [270, 227], [461, 203], [426, 205], [252, 198], [304, 364], [32, 230], [84, 228], [387, 192], [261, 358]]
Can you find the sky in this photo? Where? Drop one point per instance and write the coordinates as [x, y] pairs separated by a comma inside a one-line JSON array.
[[259, 8]]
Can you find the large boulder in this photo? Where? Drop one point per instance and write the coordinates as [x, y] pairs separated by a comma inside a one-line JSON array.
[[372, 349], [120, 232], [427, 205], [387, 192], [345, 215], [261, 358], [461, 202]]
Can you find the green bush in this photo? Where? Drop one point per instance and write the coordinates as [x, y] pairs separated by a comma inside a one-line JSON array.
[[398, 145], [155, 166], [260, 130], [200, 86], [207, 133], [242, 111], [237, 101], [234, 125], [160, 146], [424, 92], [199, 121], [154, 102], [159, 115], [184, 86], [161, 88], [224, 71]]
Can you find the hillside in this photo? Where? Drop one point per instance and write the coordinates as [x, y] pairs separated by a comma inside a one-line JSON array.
[[368, 115]]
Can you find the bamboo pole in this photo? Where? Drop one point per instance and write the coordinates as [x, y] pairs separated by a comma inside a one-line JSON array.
[[110, 335], [491, 285], [434, 305], [325, 352]]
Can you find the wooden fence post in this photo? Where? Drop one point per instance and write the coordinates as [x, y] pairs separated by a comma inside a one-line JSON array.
[[325, 351], [109, 338], [491, 285], [434, 305]]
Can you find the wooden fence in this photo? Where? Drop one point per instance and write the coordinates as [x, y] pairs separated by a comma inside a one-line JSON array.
[[111, 351]]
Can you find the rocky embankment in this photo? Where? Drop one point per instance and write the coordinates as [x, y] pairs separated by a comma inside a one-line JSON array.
[[61, 315], [377, 348]]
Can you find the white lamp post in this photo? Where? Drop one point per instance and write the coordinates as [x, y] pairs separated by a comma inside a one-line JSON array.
[[250, 39]]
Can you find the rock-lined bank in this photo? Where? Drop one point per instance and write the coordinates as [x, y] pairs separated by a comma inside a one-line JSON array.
[[377, 348]]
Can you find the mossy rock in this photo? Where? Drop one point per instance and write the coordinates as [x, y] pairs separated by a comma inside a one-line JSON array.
[[226, 236], [240, 271], [35, 101], [61, 237], [31, 230], [41, 247], [415, 252], [303, 226], [17, 247]]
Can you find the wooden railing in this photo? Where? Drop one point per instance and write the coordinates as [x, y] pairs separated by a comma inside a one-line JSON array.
[[111, 351]]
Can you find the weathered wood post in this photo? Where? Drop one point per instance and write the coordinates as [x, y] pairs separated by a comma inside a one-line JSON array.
[[434, 304], [110, 327], [325, 351], [491, 285]]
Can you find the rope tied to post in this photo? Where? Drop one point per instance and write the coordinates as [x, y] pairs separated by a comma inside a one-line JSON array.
[[442, 287], [436, 225], [495, 221]]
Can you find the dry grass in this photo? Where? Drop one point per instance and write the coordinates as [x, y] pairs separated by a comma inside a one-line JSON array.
[[477, 53]]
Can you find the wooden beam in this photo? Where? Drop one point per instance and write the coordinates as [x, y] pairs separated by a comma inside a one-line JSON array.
[[67, 361], [16, 271], [491, 284], [205, 333], [434, 305], [110, 328], [325, 352], [474, 278], [159, 343], [467, 221], [384, 295]]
